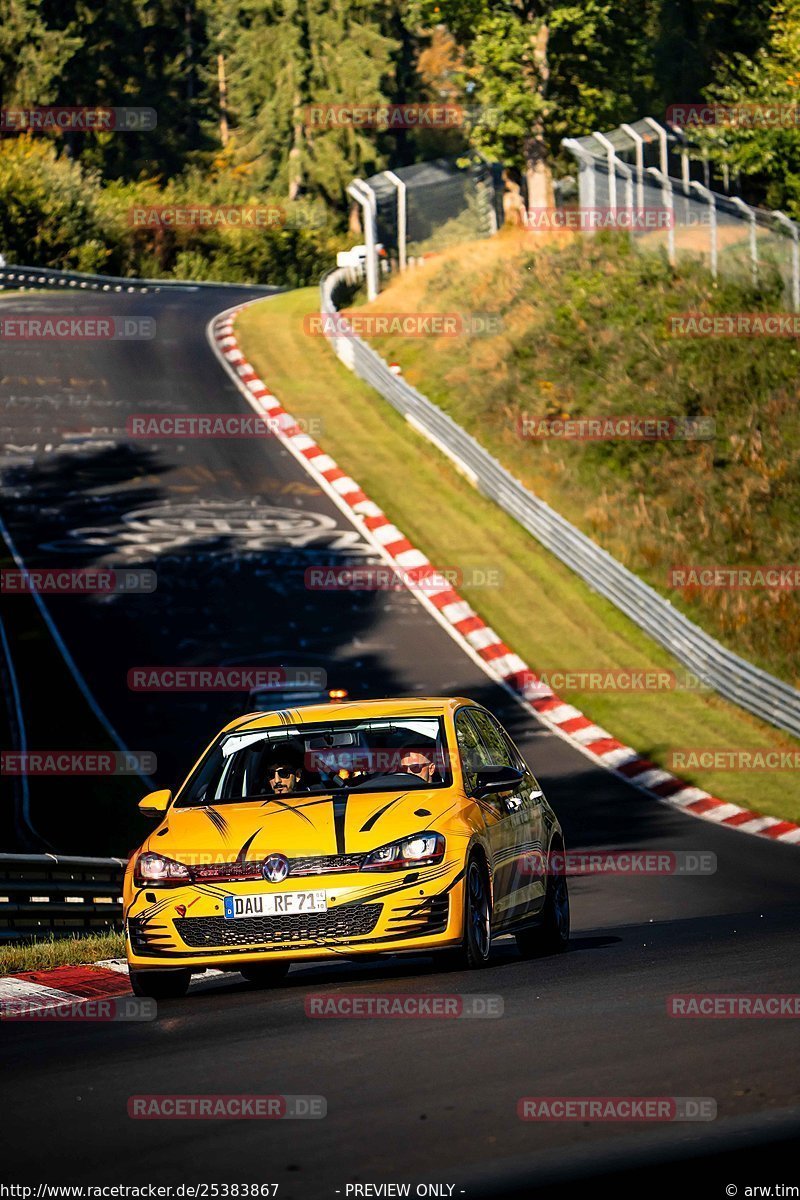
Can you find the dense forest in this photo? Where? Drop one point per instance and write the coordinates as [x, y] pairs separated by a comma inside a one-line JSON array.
[[232, 82]]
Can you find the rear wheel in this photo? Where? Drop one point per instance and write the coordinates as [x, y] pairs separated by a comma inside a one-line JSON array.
[[265, 974], [160, 985], [552, 935]]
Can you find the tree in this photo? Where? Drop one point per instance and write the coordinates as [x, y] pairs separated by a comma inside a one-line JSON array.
[[32, 56], [756, 143], [539, 71], [284, 57]]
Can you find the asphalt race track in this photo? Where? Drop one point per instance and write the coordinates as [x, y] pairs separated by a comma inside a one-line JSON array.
[[230, 526]]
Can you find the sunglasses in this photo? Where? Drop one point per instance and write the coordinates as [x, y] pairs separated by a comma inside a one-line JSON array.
[[416, 768], [282, 772]]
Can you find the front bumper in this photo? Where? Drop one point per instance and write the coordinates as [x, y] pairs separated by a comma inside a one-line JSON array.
[[368, 913]]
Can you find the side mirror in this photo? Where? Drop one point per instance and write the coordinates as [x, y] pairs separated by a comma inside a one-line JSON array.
[[155, 804], [492, 780]]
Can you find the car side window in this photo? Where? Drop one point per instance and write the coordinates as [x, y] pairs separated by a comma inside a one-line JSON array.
[[500, 754], [474, 754]]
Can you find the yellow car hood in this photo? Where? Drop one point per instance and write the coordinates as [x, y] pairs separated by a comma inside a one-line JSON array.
[[326, 824]]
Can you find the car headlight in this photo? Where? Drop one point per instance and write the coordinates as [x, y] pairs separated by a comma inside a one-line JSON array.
[[153, 870], [419, 850]]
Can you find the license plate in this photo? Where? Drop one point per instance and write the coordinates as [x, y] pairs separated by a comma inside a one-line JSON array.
[[274, 904]]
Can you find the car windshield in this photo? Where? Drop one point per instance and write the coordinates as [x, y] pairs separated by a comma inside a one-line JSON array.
[[390, 755]]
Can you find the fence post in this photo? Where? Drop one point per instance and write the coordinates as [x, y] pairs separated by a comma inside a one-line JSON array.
[[638, 142], [402, 210], [662, 144], [792, 226], [750, 214], [710, 199], [366, 199], [587, 191], [611, 158], [666, 191]]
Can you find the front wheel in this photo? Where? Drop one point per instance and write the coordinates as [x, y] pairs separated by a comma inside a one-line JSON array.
[[477, 937], [552, 935], [265, 974], [160, 985]]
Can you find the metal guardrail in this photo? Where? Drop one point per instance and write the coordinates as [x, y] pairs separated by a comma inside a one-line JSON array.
[[733, 677], [14, 276], [58, 894]]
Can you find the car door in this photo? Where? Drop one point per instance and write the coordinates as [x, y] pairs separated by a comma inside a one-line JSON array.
[[498, 810], [523, 827]]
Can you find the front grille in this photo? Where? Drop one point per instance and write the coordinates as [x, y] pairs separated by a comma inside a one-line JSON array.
[[345, 922], [227, 871], [241, 871], [325, 864]]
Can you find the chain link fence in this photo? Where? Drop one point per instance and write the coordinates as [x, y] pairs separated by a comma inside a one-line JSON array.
[[426, 207], [655, 173]]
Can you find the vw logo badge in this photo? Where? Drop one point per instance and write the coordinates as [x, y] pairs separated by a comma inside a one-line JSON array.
[[275, 868]]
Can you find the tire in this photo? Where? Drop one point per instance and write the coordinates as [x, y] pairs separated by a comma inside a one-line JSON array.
[[160, 985], [475, 948], [265, 974], [551, 936]]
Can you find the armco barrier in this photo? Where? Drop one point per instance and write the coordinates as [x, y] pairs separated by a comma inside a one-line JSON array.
[[731, 676], [13, 277], [58, 894]]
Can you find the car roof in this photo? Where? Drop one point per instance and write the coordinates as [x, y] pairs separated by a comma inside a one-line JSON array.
[[353, 710]]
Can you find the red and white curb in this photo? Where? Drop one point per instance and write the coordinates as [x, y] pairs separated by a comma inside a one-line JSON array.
[[36, 991], [465, 625]]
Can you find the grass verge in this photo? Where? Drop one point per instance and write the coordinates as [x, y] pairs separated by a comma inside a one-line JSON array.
[[543, 611], [586, 330], [60, 952]]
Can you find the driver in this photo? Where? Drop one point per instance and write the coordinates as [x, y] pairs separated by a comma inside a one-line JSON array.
[[283, 772], [419, 761]]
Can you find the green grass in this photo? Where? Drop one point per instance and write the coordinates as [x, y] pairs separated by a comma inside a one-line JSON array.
[[60, 952], [543, 611], [585, 334]]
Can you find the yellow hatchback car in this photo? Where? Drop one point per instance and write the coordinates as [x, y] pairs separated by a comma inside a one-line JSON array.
[[343, 830]]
